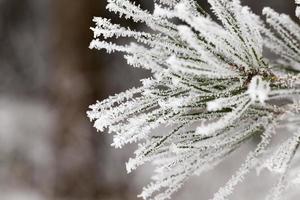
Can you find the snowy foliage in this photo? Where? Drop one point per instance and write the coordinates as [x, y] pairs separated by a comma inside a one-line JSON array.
[[211, 91]]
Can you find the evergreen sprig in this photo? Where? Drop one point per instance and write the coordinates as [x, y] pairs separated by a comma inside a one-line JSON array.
[[211, 91]]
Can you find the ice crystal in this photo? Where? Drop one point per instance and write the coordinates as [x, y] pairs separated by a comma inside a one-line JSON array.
[[207, 76], [298, 8]]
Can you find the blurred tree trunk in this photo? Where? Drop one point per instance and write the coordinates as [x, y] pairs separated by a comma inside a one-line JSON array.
[[74, 71]]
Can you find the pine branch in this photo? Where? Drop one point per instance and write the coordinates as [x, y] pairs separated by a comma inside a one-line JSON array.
[[212, 89]]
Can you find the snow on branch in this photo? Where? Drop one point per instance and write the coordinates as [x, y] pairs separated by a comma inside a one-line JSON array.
[[212, 89]]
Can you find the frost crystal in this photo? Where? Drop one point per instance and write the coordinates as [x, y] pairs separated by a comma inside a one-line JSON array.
[[258, 89], [211, 91], [298, 8]]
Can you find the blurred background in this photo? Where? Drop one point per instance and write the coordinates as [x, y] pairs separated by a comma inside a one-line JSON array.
[[48, 78]]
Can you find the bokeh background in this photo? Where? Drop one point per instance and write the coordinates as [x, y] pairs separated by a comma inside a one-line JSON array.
[[48, 78]]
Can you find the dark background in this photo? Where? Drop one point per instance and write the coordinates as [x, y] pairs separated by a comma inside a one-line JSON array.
[[48, 78]]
